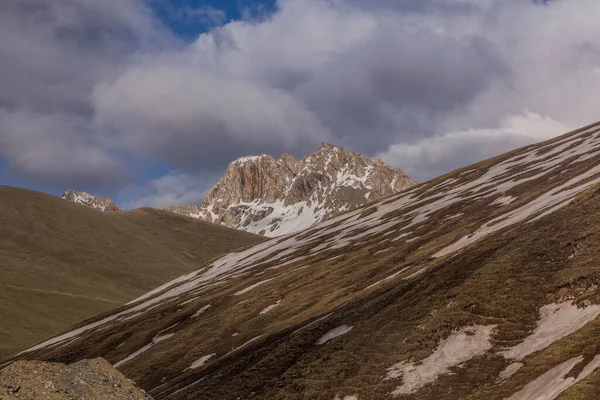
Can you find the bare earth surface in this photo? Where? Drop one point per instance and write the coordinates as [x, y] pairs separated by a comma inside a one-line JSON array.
[[88, 379]]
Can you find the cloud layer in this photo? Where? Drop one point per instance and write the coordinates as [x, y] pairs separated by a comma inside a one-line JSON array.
[[95, 88], [53, 55]]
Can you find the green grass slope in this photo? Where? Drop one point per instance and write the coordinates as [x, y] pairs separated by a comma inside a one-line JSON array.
[[61, 262]]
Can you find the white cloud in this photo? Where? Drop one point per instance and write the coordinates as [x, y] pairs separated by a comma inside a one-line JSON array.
[[174, 188], [435, 155], [204, 14], [55, 147], [363, 76], [316, 70], [183, 115]]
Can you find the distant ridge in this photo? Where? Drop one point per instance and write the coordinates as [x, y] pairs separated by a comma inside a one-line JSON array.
[[61, 263], [100, 203]]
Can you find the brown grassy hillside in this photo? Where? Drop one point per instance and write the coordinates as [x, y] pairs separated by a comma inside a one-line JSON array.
[[481, 284], [61, 262]]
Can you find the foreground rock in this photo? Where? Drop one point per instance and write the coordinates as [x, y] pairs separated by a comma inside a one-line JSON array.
[[100, 203], [271, 197], [87, 379]]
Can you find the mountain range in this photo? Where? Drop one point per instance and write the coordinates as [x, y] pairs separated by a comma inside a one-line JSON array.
[[479, 284], [272, 197]]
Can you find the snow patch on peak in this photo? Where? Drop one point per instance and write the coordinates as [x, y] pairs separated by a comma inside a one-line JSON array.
[[504, 200], [552, 383], [155, 340], [249, 288], [201, 361], [201, 311], [100, 203], [248, 159], [269, 308]]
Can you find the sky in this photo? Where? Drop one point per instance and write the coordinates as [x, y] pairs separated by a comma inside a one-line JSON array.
[[147, 101]]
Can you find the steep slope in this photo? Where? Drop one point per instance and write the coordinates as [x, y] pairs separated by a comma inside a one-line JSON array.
[[273, 197], [61, 262], [481, 284], [100, 203]]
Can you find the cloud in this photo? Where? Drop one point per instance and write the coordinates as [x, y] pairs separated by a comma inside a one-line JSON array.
[[205, 15], [90, 88], [53, 147], [53, 54], [436, 155], [316, 70], [425, 6], [174, 188], [363, 76], [183, 116]]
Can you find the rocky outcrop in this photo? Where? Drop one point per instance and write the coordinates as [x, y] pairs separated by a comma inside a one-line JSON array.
[[88, 379], [101, 203], [269, 196]]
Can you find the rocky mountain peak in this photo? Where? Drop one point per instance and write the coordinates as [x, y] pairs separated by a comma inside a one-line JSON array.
[[100, 203], [327, 147], [269, 196]]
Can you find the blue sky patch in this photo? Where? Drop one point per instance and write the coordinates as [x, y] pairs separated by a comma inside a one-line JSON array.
[[190, 18]]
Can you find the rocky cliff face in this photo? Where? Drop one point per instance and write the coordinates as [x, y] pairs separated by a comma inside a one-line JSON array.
[[101, 203], [269, 196]]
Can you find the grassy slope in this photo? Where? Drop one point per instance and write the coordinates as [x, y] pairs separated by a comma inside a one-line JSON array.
[[61, 262], [502, 279]]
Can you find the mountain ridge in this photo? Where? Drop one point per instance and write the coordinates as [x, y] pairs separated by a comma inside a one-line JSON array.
[[100, 203], [62, 262], [271, 197]]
